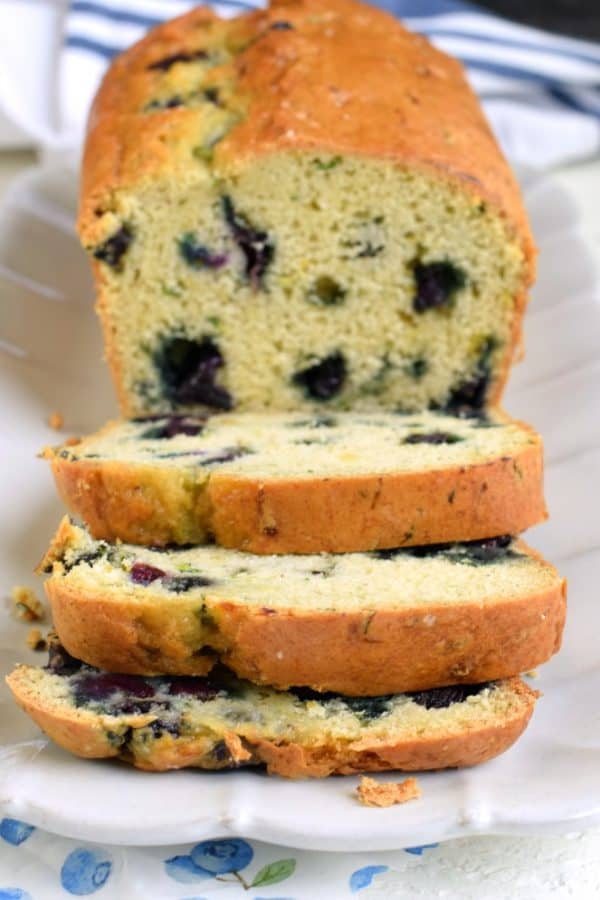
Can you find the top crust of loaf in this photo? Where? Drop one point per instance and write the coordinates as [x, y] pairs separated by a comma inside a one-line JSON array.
[[344, 79]]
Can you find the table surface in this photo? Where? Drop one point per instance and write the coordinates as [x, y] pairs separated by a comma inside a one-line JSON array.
[[486, 868]]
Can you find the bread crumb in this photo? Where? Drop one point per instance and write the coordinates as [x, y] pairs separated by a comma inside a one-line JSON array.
[[25, 605], [55, 420], [387, 793], [533, 673], [36, 640]]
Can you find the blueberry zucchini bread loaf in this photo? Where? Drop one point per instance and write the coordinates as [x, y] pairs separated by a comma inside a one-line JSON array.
[[301, 207], [221, 722], [361, 623], [288, 483]]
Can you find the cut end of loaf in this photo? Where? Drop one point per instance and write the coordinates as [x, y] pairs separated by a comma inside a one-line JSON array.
[[260, 242], [347, 277]]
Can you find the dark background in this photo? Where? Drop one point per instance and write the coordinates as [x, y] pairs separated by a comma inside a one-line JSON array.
[[579, 18]]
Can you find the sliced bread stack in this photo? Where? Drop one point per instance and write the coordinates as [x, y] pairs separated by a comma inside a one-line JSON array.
[[303, 549]]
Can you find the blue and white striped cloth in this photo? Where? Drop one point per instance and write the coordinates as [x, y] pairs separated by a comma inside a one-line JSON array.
[[541, 91]]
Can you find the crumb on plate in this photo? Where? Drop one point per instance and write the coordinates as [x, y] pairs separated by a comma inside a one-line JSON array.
[[25, 605], [387, 793], [55, 420], [36, 640]]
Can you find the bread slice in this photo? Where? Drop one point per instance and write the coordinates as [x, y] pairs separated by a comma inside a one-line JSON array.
[[362, 624], [220, 722], [285, 483], [300, 207]]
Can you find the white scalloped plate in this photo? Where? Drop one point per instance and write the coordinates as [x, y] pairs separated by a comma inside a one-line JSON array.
[[50, 358]]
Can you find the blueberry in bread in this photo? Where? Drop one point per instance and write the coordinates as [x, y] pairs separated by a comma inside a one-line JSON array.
[[361, 623], [292, 483], [221, 722], [314, 216]]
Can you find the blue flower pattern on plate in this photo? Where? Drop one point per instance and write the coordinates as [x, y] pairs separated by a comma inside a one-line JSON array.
[[85, 871], [210, 859], [14, 832], [362, 878], [220, 857], [184, 869], [418, 850]]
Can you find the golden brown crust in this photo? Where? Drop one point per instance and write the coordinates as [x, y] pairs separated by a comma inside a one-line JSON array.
[[362, 652], [346, 64], [135, 503], [366, 512], [79, 733], [85, 734], [114, 634], [142, 504]]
